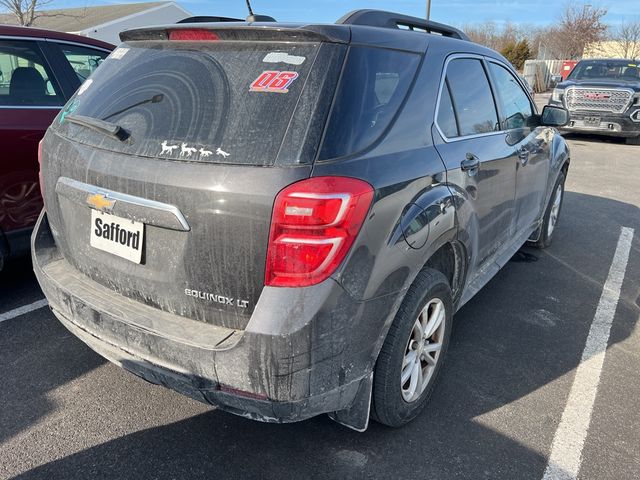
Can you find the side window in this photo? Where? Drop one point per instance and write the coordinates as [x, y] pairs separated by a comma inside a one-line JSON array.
[[471, 97], [446, 115], [25, 79], [83, 60], [515, 104], [375, 82]]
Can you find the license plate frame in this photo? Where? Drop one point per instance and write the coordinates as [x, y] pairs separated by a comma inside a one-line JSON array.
[[106, 234], [592, 121]]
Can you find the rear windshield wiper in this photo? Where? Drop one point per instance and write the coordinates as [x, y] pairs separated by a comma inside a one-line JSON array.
[[108, 128]]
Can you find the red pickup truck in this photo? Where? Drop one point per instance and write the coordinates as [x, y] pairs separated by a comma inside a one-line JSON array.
[[39, 71]]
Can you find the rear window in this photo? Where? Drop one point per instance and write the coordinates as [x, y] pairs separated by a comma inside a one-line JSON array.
[[221, 102], [374, 83]]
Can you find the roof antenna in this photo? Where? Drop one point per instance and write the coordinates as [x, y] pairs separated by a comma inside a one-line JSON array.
[[257, 18]]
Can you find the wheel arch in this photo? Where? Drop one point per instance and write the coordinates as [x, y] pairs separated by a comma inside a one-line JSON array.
[[450, 260], [447, 257]]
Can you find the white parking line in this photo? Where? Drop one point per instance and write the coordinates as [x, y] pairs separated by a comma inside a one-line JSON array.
[[566, 451], [16, 312]]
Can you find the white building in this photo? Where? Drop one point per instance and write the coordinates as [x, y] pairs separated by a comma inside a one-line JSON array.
[[105, 22]]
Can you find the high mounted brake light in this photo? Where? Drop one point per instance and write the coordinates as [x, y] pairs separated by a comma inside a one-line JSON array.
[[193, 35], [313, 226]]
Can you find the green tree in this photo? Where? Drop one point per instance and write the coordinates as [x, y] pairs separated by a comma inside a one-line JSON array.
[[517, 53]]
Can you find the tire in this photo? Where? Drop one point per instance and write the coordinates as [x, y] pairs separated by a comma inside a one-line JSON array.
[[394, 404], [551, 215], [632, 140]]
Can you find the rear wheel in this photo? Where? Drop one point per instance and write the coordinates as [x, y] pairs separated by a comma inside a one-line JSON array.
[[552, 214], [414, 351]]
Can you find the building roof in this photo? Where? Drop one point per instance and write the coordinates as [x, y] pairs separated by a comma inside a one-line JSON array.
[[78, 19], [30, 32]]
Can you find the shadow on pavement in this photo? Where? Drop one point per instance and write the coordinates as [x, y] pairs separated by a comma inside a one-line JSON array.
[[488, 417], [32, 351], [593, 138], [18, 285]]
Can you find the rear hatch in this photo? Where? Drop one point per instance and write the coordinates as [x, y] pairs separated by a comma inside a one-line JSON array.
[[215, 127]]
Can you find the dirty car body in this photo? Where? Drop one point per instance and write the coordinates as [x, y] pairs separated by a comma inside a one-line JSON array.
[[204, 307]]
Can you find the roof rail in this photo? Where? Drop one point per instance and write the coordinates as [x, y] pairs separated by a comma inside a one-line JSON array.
[[380, 18]]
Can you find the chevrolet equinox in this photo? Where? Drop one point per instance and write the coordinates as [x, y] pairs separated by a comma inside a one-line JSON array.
[[281, 220]]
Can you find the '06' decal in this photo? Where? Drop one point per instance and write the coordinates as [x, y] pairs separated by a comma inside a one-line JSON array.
[[273, 81]]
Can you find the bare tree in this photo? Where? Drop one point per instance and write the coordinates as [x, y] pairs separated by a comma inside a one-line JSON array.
[[484, 33], [626, 38], [579, 26], [490, 35], [25, 11]]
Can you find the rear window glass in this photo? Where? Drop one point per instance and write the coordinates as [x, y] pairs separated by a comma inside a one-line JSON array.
[[222, 102], [374, 84]]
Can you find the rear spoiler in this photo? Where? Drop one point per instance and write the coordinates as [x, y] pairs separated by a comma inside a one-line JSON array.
[[257, 32]]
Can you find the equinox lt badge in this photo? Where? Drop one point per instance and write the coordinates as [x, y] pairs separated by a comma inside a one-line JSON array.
[[234, 302]]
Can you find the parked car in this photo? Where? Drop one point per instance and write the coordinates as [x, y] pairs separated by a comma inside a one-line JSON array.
[[603, 97], [39, 71], [282, 220]]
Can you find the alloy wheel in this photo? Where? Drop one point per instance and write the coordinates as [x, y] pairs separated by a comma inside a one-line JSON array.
[[555, 210], [423, 350]]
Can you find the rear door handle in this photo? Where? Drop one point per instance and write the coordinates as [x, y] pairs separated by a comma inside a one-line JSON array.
[[523, 157], [471, 164]]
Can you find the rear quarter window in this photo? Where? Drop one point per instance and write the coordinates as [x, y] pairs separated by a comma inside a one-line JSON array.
[[374, 84], [83, 60]]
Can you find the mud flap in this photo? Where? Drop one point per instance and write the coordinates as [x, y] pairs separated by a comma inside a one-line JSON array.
[[356, 416], [535, 236]]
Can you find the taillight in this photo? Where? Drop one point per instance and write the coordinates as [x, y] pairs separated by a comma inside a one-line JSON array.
[[194, 35], [40, 168], [313, 225]]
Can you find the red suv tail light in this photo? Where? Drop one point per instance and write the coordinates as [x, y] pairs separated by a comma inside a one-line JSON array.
[[40, 168], [313, 225]]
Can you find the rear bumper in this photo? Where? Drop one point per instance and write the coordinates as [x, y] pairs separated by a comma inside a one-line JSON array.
[[298, 357]]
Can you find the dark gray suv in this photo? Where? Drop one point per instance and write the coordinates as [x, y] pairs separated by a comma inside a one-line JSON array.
[[281, 220]]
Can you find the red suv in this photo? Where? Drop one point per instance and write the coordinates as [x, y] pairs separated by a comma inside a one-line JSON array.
[[39, 71]]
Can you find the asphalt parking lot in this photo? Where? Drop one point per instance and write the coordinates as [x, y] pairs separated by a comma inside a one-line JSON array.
[[510, 381]]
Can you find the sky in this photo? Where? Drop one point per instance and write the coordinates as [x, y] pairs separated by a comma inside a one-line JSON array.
[[455, 12]]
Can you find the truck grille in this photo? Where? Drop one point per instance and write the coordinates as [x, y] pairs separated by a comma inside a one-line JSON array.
[[597, 99]]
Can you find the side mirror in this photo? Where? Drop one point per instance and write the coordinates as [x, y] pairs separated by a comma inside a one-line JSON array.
[[553, 116], [555, 79]]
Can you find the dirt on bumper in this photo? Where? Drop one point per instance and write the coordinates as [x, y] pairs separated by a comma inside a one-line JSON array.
[[292, 364]]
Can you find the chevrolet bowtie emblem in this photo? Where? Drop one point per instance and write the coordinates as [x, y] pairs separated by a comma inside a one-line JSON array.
[[100, 201]]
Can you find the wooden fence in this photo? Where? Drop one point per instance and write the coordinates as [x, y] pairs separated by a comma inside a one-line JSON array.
[[539, 72]]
